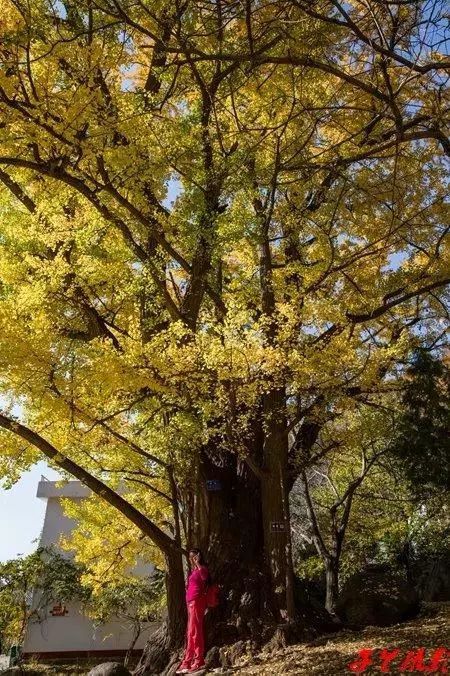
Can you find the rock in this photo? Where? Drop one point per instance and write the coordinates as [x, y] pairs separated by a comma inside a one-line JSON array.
[[309, 601], [433, 578], [109, 669], [229, 655], [212, 659], [278, 641], [377, 597]]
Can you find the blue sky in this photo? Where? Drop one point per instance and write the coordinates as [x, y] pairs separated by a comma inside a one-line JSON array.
[[22, 513]]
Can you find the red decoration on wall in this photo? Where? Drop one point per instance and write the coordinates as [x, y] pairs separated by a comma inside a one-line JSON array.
[[59, 611]]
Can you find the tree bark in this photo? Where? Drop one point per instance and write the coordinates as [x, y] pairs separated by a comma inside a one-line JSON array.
[[229, 531], [332, 584], [170, 636], [275, 505]]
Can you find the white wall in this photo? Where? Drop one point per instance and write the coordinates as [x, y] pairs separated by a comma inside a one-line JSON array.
[[74, 631]]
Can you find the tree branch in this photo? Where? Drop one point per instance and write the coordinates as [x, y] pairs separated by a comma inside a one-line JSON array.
[[156, 535]]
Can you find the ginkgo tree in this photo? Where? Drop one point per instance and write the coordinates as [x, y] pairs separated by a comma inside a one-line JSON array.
[[217, 220], [333, 497]]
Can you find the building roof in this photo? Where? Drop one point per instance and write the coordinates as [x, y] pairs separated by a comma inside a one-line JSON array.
[[62, 489]]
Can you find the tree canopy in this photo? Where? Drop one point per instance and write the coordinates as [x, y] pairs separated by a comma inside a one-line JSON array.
[[421, 440]]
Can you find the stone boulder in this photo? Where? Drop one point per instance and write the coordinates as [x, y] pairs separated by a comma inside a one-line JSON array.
[[109, 669], [232, 655], [212, 659], [309, 600], [432, 578], [377, 596]]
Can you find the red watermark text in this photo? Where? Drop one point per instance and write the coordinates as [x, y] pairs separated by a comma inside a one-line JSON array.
[[394, 660]]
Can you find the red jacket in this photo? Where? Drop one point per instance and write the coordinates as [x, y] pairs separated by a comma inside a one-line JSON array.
[[197, 583]]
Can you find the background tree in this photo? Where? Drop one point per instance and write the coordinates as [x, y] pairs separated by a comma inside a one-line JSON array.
[[422, 441], [132, 601], [330, 490], [56, 579], [107, 550], [357, 505], [30, 585]]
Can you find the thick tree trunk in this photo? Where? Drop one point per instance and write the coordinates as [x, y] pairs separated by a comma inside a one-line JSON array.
[[170, 636], [275, 505], [244, 526], [229, 531], [275, 491], [332, 584], [176, 606], [227, 526]]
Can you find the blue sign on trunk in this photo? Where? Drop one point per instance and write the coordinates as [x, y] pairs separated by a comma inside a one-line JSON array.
[[213, 485]]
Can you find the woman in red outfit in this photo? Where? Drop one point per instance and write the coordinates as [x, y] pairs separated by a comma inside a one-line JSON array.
[[197, 584]]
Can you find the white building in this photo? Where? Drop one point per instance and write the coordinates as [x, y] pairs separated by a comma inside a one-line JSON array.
[[64, 630]]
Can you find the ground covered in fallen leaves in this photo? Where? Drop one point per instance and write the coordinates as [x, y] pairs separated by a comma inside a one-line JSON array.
[[328, 655], [331, 655]]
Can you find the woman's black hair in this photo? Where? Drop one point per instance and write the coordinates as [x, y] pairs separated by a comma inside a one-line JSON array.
[[199, 553], [202, 562]]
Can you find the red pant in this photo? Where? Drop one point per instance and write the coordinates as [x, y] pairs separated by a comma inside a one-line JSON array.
[[195, 643]]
